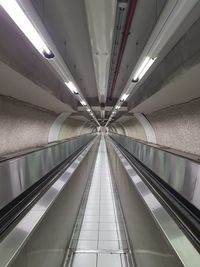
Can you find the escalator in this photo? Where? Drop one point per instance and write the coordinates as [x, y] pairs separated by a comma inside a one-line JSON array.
[[95, 208]]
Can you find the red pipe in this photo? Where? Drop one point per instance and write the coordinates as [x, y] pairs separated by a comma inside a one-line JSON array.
[[129, 18]]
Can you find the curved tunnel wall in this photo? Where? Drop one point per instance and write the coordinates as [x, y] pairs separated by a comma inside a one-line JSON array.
[[24, 126], [135, 129], [73, 127], [176, 127], [119, 128], [130, 127]]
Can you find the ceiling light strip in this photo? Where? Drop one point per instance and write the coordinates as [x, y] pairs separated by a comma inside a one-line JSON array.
[[171, 18], [39, 38], [17, 14]]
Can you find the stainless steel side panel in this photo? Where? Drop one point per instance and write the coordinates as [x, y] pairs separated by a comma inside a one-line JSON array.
[[187, 254], [17, 174], [180, 173], [16, 239]]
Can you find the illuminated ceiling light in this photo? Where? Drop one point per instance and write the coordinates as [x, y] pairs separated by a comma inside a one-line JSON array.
[[83, 103], [88, 110], [17, 14], [145, 66], [124, 97], [172, 16], [117, 107], [71, 87]]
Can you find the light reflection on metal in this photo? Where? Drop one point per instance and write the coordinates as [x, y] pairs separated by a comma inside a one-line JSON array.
[[15, 240], [17, 174], [182, 174], [184, 249]]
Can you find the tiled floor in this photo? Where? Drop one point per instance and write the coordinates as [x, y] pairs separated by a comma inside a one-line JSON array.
[[99, 239]]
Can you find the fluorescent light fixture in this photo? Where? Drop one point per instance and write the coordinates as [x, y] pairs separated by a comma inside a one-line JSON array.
[[147, 67], [71, 87], [17, 14], [124, 97], [143, 68], [83, 103], [117, 107]]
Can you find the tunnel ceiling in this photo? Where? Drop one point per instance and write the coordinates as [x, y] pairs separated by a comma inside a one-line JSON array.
[[85, 34]]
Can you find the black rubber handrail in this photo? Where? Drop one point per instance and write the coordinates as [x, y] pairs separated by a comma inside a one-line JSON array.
[[185, 214], [22, 203]]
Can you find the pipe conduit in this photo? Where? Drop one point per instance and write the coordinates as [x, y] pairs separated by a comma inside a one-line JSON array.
[[129, 18]]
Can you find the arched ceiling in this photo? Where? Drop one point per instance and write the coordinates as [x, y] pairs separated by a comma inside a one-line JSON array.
[[85, 42]]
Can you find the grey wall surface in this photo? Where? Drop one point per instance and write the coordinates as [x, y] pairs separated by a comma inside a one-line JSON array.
[[134, 129], [150, 248], [73, 127], [22, 125], [119, 128], [178, 126], [49, 242]]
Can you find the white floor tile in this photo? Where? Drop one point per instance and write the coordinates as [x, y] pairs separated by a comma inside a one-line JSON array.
[[88, 235], [107, 218], [106, 206], [107, 226], [106, 202], [107, 212], [92, 212], [93, 202], [102, 224], [93, 206], [113, 245], [107, 260], [89, 226], [88, 218], [86, 244], [84, 259], [108, 235]]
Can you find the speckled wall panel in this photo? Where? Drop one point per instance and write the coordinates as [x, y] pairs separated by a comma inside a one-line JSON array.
[[119, 128], [135, 129], [71, 127], [86, 130], [178, 126], [22, 126]]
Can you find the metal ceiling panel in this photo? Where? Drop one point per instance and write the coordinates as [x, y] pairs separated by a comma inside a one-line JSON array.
[[101, 19], [66, 23], [145, 18]]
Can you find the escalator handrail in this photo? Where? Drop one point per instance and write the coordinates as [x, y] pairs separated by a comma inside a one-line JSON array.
[[22, 203], [184, 213]]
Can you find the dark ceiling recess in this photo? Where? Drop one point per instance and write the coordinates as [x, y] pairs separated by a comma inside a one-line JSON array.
[[115, 64]]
